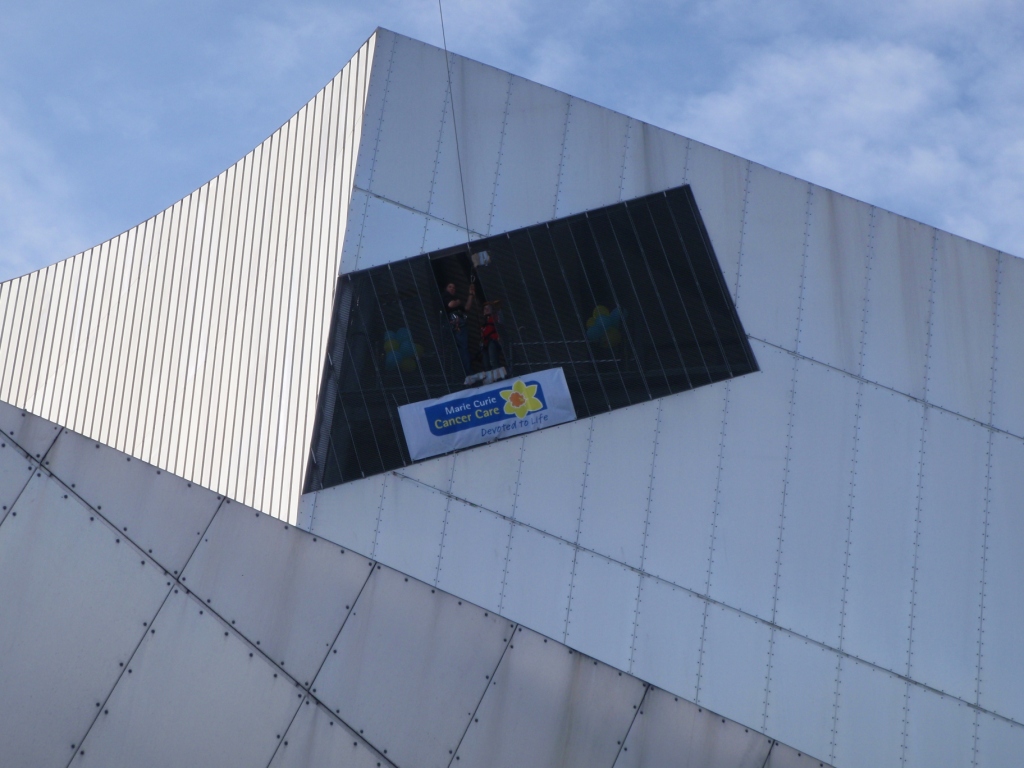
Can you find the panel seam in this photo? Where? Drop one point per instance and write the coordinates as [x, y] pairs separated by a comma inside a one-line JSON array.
[[988, 506], [920, 500], [562, 159], [444, 523], [643, 544], [912, 398], [625, 157], [512, 525], [437, 163], [376, 147], [809, 206], [490, 682], [579, 521], [743, 235], [848, 544], [717, 603], [411, 209], [501, 154]]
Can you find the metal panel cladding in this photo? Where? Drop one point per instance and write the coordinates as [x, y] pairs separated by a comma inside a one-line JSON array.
[[318, 657], [194, 340], [628, 300]]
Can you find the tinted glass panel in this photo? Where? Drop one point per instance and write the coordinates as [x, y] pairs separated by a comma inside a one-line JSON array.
[[628, 300]]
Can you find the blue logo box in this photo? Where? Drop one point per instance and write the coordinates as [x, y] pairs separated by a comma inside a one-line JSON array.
[[479, 408]]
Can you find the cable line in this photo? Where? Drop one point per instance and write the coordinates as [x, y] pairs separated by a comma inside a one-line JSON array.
[[455, 123]]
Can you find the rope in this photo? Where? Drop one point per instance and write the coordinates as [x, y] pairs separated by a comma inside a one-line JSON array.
[[455, 124]]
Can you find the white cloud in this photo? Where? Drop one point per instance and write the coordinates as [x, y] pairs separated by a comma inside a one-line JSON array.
[[894, 124], [915, 106]]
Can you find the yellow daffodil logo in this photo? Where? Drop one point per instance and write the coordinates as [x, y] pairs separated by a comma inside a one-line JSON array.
[[521, 399]]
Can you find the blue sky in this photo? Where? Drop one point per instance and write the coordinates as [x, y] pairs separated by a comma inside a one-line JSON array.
[[110, 111]]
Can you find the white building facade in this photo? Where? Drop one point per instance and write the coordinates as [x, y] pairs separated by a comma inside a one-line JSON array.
[[826, 550]]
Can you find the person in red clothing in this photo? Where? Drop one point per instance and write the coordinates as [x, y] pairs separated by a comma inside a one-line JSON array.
[[489, 338]]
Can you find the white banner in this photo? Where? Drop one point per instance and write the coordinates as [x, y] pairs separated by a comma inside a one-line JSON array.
[[480, 415]]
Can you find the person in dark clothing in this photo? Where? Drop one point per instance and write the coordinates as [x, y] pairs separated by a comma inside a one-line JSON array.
[[489, 338], [456, 309]]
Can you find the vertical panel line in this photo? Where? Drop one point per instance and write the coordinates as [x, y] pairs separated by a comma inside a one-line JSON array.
[[437, 164], [444, 523], [625, 156], [501, 153], [579, 520], [789, 448], [851, 498], [711, 542], [512, 524], [647, 524], [562, 158], [920, 497], [988, 504], [743, 234]]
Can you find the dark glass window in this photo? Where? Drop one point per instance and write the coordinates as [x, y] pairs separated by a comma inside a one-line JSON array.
[[628, 300]]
